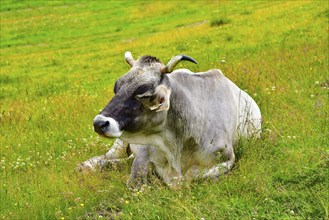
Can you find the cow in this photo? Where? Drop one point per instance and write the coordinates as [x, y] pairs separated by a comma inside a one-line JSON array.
[[183, 124]]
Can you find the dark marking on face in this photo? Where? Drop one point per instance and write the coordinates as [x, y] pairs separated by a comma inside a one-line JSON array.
[[126, 107]]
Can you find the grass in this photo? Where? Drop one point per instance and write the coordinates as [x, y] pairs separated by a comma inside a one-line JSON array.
[[59, 62]]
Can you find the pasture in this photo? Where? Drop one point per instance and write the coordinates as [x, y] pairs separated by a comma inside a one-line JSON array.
[[59, 62]]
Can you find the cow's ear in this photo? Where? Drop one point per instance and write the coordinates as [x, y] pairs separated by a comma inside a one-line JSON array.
[[161, 100]]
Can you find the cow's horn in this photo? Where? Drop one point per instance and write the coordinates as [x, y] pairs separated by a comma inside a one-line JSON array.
[[174, 61], [129, 58]]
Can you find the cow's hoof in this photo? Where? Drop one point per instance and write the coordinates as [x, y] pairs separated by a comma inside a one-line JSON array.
[[136, 184]]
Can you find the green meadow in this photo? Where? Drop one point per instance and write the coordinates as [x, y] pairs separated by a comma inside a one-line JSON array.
[[59, 62]]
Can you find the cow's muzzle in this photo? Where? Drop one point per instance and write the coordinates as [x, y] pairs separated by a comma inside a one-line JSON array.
[[106, 126]]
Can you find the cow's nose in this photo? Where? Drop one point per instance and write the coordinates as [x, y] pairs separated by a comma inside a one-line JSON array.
[[101, 126]]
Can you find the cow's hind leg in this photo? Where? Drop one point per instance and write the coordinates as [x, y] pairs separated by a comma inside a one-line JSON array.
[[117, 153], [227, 153]]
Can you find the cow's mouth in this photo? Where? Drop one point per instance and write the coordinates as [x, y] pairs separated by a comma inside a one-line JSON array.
[[107, 126]]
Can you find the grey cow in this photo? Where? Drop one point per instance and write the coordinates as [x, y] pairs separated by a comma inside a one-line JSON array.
[[184, 124]]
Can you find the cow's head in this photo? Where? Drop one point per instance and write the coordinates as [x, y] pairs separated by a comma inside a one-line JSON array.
[[141, 98]]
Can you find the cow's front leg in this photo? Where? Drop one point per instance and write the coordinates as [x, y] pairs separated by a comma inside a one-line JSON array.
[[117, 153], [214, 172], [140, 166]]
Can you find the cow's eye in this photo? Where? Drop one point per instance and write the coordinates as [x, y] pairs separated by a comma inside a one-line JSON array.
[[143, 89]]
